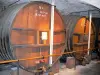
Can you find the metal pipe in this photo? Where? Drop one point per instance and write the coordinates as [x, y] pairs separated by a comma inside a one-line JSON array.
[[13, 3], [85, 11], [51, 32], [89, 38], [18, 67], [5, 7]]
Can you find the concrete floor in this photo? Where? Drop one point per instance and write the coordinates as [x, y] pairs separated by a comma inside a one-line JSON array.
[[90, 69]]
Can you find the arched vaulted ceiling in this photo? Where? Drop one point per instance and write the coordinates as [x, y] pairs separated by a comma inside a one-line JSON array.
[[65, 6]]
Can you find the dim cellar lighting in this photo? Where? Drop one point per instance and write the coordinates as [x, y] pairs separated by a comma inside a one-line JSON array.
[[44, 36]]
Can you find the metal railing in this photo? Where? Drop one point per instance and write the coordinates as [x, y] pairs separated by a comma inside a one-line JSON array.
[[40, 57]]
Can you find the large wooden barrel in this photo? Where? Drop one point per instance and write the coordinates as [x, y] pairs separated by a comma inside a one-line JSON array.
[[77, 28], [25, 33]]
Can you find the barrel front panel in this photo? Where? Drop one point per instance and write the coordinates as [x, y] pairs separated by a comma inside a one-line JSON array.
[[27, 31], [80, 37]]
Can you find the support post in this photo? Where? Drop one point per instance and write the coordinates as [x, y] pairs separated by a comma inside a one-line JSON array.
[[89, 38], [18, 67], [51, 32]]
